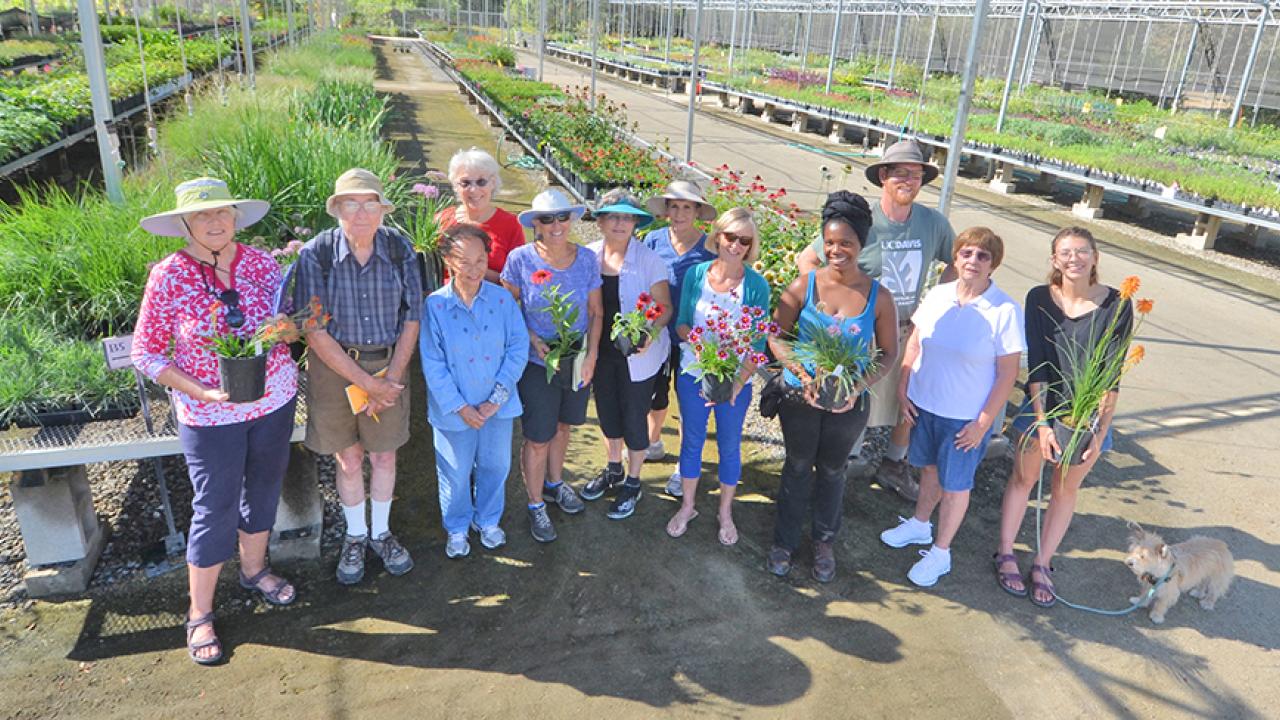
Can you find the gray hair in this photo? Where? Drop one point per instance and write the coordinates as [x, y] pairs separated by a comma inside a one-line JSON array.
[[478, 160], [618, 196]]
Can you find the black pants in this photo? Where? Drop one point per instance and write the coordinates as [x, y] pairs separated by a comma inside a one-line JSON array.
[[623, 405], [817, 444]]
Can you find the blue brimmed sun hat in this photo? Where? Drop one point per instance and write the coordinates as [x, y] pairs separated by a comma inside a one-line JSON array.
[[194, 196], [643, 217]]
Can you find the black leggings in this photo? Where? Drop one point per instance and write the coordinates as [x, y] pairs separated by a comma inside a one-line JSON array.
[[817, 444], [623, 405]]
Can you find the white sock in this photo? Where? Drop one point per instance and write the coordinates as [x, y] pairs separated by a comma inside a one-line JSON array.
[[944, 552], [379, 516], [922, 524], [896, 453], [355, 520]]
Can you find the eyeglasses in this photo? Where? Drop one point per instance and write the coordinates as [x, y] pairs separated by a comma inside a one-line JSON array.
[[351, 207], [1068, 253], [743, 240], [972, 252], [905, 174], [558, 217], [478, 182], [615, 217]]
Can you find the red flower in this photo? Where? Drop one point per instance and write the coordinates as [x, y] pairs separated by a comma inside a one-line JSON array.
[[540, 276], [645, 298], [652, 313]]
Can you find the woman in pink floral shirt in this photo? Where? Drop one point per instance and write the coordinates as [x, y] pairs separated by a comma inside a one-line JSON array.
[[236, 453]]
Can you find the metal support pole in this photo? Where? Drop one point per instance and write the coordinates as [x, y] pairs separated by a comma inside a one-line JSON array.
[[808, 31], [1257, 99], [288, 8], [750, 28], [897, 39], [33, 18], [96, 70], [542, 36], [1253, 59], [1033, 47], [835, 36], [1186, 67], [670, 11], [962, 109], [248, 40], [595, 46], [733, 37], [928, 57], [693, 81], [1013, 63]]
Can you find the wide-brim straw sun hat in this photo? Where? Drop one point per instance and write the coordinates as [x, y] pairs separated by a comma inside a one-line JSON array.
[[681, 190], [903, 151], [357, 181], [643, 217], [200, 194], [550, 202]]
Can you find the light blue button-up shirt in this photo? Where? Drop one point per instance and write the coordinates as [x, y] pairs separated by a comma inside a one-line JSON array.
[[468, 351]]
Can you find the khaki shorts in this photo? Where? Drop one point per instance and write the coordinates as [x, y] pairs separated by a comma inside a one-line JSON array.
[[332, 427], [885, 411]]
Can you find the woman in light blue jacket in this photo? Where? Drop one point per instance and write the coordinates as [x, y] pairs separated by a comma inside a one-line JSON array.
[[474, 349]]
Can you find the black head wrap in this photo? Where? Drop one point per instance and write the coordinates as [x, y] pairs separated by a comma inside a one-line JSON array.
[[851, 209]]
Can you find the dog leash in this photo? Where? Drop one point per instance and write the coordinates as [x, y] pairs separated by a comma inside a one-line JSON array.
[[1098, 611]]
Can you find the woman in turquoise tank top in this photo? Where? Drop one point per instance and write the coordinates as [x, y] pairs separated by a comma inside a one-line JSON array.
[[838, 299]]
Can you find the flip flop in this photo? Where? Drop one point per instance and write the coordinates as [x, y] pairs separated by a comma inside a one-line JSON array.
[[1047, 574], [273, 595], [675, 530], [728, 534], [193, 648], [1006, 579]]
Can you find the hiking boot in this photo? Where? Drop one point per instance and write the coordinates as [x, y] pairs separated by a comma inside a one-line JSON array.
[[491, 537], [909, 531], [458, 546], [602, 483], [351, 559], [540, 525], [655, 452], [896, 475], [563, 497], [394, 557], [824, 562], [933, 564], [675, 485], [779, 561], [624, 505]]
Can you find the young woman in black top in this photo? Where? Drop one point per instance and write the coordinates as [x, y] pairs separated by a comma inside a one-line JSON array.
[[1070, 313]]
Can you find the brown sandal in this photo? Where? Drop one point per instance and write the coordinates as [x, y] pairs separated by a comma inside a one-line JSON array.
[[1006, 579]]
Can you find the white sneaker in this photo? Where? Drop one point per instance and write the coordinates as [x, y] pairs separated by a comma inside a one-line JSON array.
[[909, 531], [675, 485], [458, 546], [493, 537], [933, 564], [656, 451]]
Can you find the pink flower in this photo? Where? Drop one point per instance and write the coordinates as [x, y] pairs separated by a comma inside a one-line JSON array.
[[437, 176], [855, 330], [833, 330], [722, 354], [757, 311], [773, 328]]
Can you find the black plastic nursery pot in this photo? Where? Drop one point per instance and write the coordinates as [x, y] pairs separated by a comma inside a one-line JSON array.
[[625, 346], [831, 394], [1062, 433], [243, 379], [716, 390]]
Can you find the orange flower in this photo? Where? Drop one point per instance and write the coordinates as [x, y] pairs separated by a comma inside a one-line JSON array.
[[1136, 353], [1130, 286], [1145, 305]]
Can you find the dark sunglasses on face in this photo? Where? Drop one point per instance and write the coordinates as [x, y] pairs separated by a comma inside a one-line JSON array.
[[558, 217], [743, 240], [981, 255], [479, 182]]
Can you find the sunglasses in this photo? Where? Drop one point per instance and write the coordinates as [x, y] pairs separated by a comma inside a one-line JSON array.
[[351, 207], [558, 217], [478, 182], [743, 240], [230, 299], [969, 252]]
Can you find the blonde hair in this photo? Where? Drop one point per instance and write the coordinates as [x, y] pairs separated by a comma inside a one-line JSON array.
[[731, 218]]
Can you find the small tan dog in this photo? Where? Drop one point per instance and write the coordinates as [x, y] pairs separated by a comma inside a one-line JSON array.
[[1201, 566]]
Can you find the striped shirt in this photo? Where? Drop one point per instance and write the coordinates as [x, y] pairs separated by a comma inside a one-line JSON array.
[[369, 303]]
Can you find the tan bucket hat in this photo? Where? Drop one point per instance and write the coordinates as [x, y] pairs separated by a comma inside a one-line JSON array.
[[204, 193], [903, 151], [681, 190], [357, 181]]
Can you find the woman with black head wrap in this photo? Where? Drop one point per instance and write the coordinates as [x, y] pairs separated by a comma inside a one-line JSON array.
[[841, 301]]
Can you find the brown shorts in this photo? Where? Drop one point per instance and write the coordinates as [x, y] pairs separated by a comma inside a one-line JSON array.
[[884, 395], [332, 427]]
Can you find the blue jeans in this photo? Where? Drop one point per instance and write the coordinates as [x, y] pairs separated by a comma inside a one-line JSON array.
[[462, 454], [694, 414]]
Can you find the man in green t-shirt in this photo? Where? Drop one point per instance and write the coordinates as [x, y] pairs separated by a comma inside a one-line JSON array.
[[906, 238]]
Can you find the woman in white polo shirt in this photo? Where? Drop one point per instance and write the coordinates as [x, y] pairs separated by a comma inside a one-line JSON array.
[[958, 370]]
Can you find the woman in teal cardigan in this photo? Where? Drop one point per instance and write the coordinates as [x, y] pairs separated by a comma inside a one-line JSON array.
[[722, 287]]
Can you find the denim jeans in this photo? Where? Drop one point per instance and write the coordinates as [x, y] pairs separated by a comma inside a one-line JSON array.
[[817, 444], [484, 454], [694, 415]]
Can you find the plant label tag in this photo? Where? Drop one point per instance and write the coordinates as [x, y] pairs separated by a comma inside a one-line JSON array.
[[117, 351]]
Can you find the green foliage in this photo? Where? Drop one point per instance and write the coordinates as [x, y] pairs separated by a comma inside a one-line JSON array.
[[12, 50]]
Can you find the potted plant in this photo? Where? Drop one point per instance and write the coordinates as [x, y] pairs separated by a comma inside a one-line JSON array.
[[242, 359], [723, 344], [565, 347], [420, 224], [840, 360], [1097, 371], [633, 329]]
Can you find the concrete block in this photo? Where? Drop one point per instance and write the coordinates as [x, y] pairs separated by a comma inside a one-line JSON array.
[[1004, 182], [1136, 206], [300, 515], [70, 578], [55, 514], [1204, 235], [744, 105], [1045, 183], [839, 134], [1090, 206], [799, 122]]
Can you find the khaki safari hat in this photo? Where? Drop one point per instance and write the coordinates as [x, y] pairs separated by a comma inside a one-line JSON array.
[[903, 151], [356, 181], [203, 193], [681, 190]]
